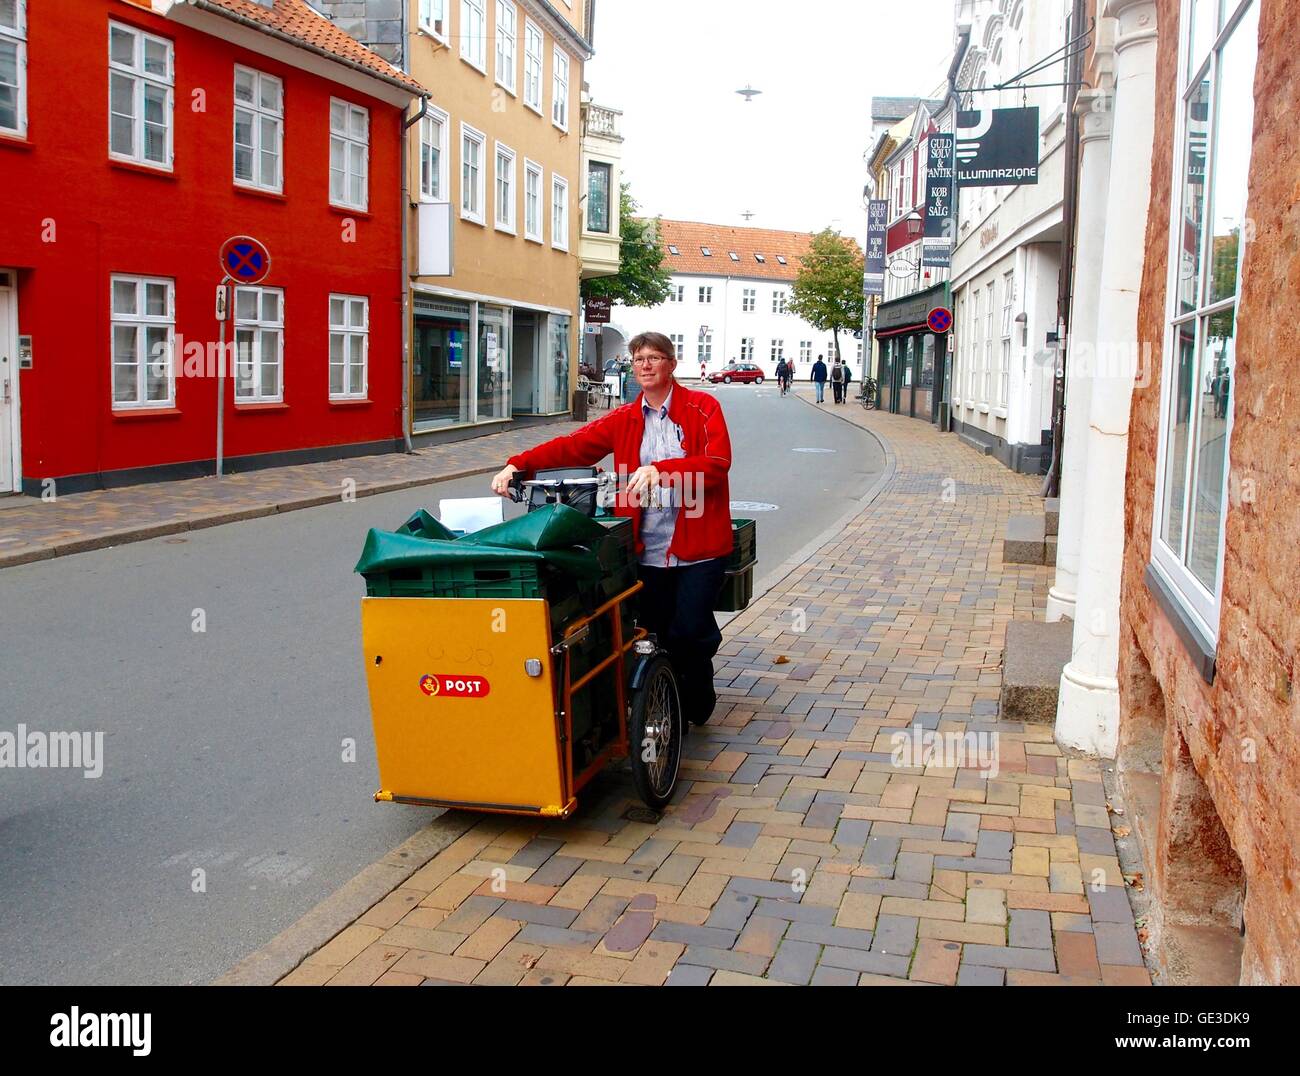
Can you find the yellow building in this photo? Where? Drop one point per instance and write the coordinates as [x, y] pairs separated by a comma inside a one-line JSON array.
[[495, 180]]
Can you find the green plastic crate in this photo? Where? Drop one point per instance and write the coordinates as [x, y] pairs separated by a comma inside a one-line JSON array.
[[744, 544], [737, 590], [501, 579]]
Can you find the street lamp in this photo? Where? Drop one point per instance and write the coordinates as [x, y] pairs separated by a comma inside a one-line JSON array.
[[915, 223]]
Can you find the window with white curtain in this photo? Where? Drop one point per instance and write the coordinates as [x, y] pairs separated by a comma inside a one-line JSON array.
[[259, 345], [505, 189], [473, 148], [13, 67], [473, 33], [532, 66], [349, 154], [433, 18], [143, 319], [259, 130], [560, 90], [140, 81], [434, 156], [349, 346], [533, 201], [559, 213], [507, 36]]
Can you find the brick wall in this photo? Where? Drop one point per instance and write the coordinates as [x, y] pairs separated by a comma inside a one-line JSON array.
[[1252, 698]]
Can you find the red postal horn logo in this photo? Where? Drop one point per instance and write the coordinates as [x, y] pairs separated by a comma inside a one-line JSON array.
[[454, 687]]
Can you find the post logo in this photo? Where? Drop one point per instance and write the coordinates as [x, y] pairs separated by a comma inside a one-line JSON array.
[[454, 687]]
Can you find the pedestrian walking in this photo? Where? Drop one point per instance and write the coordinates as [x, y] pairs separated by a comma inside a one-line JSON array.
[[819, 378], [837, 380], [848, 380]]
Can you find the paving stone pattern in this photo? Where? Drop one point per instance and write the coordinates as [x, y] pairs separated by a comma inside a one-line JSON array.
[[796, 851]]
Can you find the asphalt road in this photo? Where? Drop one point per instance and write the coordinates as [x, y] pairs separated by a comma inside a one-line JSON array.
[[222, 749]]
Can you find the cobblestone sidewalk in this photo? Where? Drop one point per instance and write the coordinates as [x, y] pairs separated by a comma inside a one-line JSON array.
[[797, 851], [34, 529]]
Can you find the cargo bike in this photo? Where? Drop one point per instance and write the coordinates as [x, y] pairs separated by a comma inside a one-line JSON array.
[[506, 667]]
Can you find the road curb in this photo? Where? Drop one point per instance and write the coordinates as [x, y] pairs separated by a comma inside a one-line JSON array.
[[237, 515], [274, 960]]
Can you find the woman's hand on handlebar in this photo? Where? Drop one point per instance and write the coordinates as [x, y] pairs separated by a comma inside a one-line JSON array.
[[641, 482], [501, 480]]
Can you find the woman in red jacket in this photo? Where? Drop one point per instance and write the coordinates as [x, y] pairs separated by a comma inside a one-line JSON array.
[[675, 440]]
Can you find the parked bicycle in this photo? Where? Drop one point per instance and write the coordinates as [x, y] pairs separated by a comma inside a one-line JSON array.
[[867, 396]]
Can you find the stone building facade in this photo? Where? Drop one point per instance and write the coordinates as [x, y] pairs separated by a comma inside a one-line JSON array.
[[1209, 624]]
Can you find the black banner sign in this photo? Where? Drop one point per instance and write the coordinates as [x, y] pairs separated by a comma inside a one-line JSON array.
[[997, 147]]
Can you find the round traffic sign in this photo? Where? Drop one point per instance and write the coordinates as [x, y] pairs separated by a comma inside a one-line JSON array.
[[245, 260], [940, 319]]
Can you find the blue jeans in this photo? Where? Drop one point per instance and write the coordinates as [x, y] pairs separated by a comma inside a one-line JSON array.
[[821, 391]]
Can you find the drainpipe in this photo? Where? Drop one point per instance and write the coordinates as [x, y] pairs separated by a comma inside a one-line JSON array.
[[1069, 213], [407, 124]]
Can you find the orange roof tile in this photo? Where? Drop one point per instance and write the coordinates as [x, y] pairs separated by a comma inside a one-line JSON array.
[[296, 19], [691, 237]]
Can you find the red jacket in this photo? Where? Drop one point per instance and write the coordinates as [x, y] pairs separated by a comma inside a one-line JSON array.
[[701, 473]]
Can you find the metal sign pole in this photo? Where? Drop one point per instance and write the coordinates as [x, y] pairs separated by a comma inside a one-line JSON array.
[[223, 310]]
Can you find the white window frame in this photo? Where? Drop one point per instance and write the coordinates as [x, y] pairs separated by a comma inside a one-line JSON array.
[[431, 13], [1002, 387], [259, 326], [347, 329], [778, 350], [142, 321], [677, 293], [16, 36], [704, 348], [1201, 603], [780, 301], [259, 113], [746, 349], [805, 351], [560, 88], [442, 174], [679, 344], [349, 141], [534, 230], [986, 379], [972, 390], [473, 47], [705, 293], [511, 200], [475, 214], [559, 234], [507, 45], [534, 42], [748, 300], [142, 80]]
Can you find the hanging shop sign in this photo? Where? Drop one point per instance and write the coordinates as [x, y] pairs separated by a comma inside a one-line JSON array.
[[940, 209], [597, 311], [873, 280], [997, 147]]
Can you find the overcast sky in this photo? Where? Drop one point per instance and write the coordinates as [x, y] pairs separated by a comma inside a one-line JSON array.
[[694, 150]]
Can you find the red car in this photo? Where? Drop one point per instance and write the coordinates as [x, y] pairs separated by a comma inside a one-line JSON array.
[[744, 371]]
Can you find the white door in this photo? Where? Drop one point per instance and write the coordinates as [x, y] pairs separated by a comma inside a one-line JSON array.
[[8, 383]]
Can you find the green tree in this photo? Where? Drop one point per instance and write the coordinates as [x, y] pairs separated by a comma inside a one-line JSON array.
[[642, 279], [827, 292]]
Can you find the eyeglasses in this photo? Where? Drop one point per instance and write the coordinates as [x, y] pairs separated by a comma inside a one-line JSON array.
[[650, 360]]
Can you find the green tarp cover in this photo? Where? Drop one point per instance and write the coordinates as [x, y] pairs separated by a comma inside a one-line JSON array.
[[547, 535], [423, 525]]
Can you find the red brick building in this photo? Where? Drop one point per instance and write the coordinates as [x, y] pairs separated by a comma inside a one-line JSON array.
[[1209, 746], [193, 121]]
